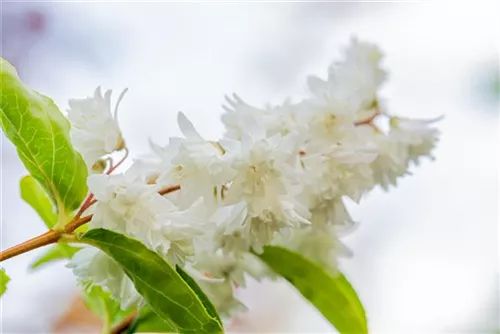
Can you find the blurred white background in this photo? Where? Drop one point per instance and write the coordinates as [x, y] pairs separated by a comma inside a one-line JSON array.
[[425, 254]]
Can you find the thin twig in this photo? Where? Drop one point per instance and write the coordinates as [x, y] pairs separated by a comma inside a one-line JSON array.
[[88, 202], [47, 238], [74, 224], [114, 167], [53, 236], [369, 120]]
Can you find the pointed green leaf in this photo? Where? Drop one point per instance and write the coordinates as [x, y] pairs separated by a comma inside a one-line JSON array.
[[203, 297], [33, 194], [40, 132], [332, 295], [150, 322], [4, 279], [163, 289], [55, 253]]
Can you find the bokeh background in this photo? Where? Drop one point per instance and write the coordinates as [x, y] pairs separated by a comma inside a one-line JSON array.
[[426, 254]]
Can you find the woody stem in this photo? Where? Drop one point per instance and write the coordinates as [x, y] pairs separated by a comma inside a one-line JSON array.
[[53, 236]]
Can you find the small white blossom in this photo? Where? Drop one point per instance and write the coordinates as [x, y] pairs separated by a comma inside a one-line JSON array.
[[338, 171], [418, 135], [353, 82], [94, 130], [407, 141], [199, 166], [225, 272], [391, 162], [266, 181], [93, 267], [334, 213], [278, 119], [128, 205], [321, 245], [221, 294]]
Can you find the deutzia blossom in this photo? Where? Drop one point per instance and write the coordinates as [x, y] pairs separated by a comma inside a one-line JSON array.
[[322, 245], [127, 204], [391, 161], [352, 82], [418, 135], [221, 294], [332, 212], [407, 141], [267, 181], [338, 171], [279, 176], [222, 273], [93, 267], [199, 166], [94, 130], [278, 119]]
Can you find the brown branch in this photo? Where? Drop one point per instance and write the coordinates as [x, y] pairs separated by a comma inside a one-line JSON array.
[[124, 324], [47, 238], [86, 204], [53, 236], [74, 224]]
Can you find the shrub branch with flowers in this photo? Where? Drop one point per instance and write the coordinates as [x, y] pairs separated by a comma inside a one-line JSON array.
[[163, 245]]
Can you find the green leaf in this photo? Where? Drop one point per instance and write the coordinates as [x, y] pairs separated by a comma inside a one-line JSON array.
[[332, 295], [201, 295], [4, 279], [163, 289], [150, 322], [102, 305], [40, 132], [33, 194], [55, 253]]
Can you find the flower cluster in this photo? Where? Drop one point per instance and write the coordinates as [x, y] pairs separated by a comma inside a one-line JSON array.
[[279, 175]]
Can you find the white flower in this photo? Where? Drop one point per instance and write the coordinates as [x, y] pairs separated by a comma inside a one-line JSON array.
[[407, 141], [348, 95], [361, 71], [221, 273], [337, 171], [128, 205], [221, 294], [279, 176], [181, 228], [236, 114], [329, 120], [200, 167], [418, 135], [227, 233], [266, 181], [277, 119], [93, 267], [321, 245], [391, 162], [94, 130], [352, 83], [332, 213]]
